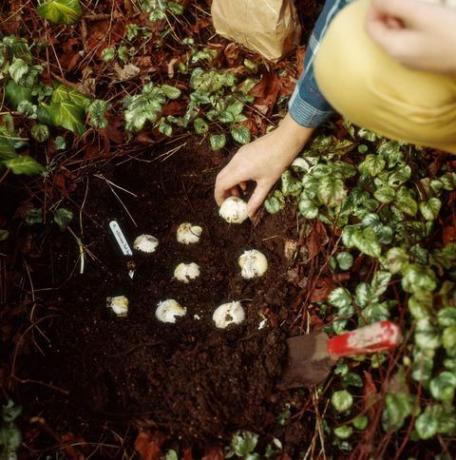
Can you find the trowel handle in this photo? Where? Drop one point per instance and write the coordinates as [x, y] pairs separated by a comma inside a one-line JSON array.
[[380, 336]]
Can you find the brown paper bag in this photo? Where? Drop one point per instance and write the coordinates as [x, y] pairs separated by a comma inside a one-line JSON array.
[[268, 27]]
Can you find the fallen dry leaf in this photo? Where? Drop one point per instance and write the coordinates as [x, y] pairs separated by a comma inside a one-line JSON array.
[[127, 72], [214, 453], [148, 446]]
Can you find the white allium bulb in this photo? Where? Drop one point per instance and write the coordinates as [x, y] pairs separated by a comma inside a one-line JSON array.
[[146, 243], [119, 305], [186, 272], [228, 313], [168, 310], [188, 233], [253, 264], [234, 210]]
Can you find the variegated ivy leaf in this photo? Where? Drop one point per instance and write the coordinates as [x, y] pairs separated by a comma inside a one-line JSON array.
[[396, 259], [171, 455], [423, 362], [217, 141], [449, 340], [291, 186], [450, 364], [344, 260], [342, 400], [96, 113], [241, 134], [243, 443], [308, 209], [366, 241], [60, 11], [398, 406], [40, 132], [430, 209], [363, 294], [447, 316], [372, 165], [436, 419], [418, 277], [343, 431], [165, 128], [275, 202], [401, 175], [445, 257], [405, 202], [443, 386], [427, 424], [385, 194], [24, 164], [171, 92], [448, 181], [426, 335], [331, 192], [380, 282], [419, 308], [377, 311], [200, 126], [17, 69], [391, 152], [340, 297]]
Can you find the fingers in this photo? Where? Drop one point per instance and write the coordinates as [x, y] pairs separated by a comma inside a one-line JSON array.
[[226, 183], [409, 12], [259, 195]]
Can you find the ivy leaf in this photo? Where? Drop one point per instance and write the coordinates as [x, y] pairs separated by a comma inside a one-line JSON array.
[[400, 176], [15, 94], [405, 202], [363, 294], [24, 164], [243, 443], [396, 259], [200, 126], [447, 316], [426, 335], [290, 185], [217, 141], [4, 234], [344, 260], [60, 11], [275, 202], [418, 277], [63, 94], [241, 134], [17, 69], [63, 217], [170, 91], [398, 406], [40, 132], [443, 386], [385, 194], [343, 431], [380, 282], [331, 192], [360, 422], [449, 340], [342, 400], [7, 150], [165, 128], [372, 165], [96, 113], [308, 209], [427, 424], [367, 242], [171, 455], [66, 115], [340, 297], [430, 209]]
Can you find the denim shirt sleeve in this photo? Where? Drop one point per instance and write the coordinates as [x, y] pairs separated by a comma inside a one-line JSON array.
[[307, 106]]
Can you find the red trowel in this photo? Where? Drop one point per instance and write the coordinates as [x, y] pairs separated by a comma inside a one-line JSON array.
[[311, 357]]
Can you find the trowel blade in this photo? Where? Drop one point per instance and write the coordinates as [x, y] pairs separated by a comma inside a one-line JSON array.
[[309, 362]]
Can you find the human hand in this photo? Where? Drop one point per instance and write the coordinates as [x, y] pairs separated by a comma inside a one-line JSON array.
[[419, 34], [261, 161]]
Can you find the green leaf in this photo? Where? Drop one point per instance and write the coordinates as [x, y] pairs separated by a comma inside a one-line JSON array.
[[66, 115], [344, 260], [430, 209], [217, 141], [340, 297], [200, 126], [360, 422], [171, 92], [40, 132], [17, 69], [171, 455], [449, 340], [63, 94], [331, 192], [63, 217], [400, 176], [24, 164], [343, 431], [363, 294], [34, 216], [398, 406], [366, 241], [4, 234], [7, 150], [165, 128], [372, 165], [241, 134], [342, 400], [291, 186], [15, 94], [275, 202], [396, 259], [427, 424], [426, 335], [352, 379], [108, 54], [385, 194], [308, 209], [60, 143], [443, 386], [447, 316], [418, 308], [380, 282], [405, 202], [60, 11], [96, 113], [243, 443], [418, 277]]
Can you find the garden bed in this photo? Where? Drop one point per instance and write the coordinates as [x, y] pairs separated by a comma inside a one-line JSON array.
[[189, 380]]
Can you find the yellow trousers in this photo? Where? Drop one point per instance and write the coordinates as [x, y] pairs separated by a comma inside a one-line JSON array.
[[372, 90]]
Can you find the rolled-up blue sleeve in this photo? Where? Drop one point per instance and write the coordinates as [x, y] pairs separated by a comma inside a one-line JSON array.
[[307, 106]]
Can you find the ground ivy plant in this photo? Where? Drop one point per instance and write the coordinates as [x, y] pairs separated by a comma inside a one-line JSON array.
[[385, 205]]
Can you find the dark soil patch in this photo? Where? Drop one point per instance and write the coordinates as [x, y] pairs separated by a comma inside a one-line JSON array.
[[189, 380]]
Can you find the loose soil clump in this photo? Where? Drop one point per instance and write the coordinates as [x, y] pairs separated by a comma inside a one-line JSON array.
[[189, 379]]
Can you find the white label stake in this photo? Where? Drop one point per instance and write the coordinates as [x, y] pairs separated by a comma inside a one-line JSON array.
[[121, 241]]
